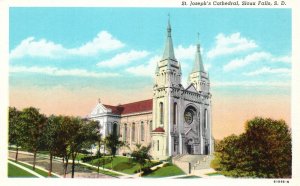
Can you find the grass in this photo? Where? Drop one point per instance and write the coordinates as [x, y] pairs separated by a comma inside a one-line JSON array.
[[79, 156], [101, 171], [37, 170], [14, 171], [166, 171], [121, 164]]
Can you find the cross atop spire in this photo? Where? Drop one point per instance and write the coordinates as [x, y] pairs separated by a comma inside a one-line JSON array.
[[198, 42], [169, 50]]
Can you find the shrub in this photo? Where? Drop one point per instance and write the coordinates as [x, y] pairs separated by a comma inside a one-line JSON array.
[[88, 158], [146, 170]]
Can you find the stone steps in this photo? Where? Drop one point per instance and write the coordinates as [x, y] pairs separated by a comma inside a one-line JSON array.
[[198, 162]]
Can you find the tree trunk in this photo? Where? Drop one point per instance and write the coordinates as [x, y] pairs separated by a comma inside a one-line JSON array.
[[73, 166], [17, 153], [50, 166], [34, 159], [66, 166], [98, 166]]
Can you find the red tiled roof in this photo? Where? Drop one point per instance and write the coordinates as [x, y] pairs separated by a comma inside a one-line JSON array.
[[159, 129], [140, 106], [114, 109]]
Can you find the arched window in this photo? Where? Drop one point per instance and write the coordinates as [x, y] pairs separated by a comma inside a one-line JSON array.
[[125, 132], [133, 132], [205, 118], [157, 145], [175, 114], [142, 131], [161, 112], [115, 129]]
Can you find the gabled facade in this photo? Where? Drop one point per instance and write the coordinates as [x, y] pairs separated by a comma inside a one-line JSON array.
[[176, 120]]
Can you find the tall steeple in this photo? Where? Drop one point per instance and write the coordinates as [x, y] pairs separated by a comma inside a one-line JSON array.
[[198, 77], [169, 50], [198, 64]]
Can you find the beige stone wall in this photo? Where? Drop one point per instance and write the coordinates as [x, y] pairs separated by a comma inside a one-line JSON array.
[[135, 134]]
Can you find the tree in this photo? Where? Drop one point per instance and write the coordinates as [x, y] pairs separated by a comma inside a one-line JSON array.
[[65, 136], [15, 135], [85, 135], [141, 155], [264, 150], [33, 123], [51, 138], [112, 143]]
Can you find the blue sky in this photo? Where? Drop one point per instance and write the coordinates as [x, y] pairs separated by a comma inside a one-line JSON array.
[[63, 59], [257, 44]]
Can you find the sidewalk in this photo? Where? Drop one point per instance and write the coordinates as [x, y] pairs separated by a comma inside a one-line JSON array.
[[81, 171], [26, 169], [203, 173]]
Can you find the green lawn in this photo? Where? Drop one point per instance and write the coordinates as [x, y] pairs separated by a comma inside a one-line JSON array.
[[120, 164], [79, 156], [14, 171], [37, 170], [101, 171], [168, 170]]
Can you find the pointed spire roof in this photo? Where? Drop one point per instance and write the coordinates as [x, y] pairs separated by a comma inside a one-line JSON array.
[[198, 64], [169, 50]]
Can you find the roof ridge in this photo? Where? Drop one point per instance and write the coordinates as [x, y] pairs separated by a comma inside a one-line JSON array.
[[135, 102]]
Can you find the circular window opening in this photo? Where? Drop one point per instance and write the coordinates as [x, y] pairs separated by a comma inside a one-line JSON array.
[[189, 114]]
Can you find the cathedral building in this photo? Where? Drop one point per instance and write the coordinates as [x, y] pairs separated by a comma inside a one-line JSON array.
[[176, 120]]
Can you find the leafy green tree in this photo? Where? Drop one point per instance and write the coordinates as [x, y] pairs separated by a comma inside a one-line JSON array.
[[33, 122], [112, 143], [142, 155], [264, 150], [65, 136], [15, 135], [51, 139], [85, 135]]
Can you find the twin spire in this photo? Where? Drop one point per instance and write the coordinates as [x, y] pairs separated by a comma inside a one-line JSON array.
[[198, 64], [169, 51]]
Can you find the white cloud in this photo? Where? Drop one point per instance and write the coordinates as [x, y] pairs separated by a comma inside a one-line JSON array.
[[40, 48], [53, 71], [283, 59], [250, 84], [254, 57], [183, 53], [237, 63], [123, 58], [230, 44], [44, 48], [268, 70], [103, 42], [145, 70], [207, 67]]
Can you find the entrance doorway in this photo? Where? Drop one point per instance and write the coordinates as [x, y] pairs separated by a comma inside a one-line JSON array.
[[189, 149], [189, 146], [206, 149]]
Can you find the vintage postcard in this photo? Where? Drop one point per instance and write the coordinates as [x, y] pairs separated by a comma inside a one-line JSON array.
[[199, 92]]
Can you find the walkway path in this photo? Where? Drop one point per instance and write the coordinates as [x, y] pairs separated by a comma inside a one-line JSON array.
[[26, 169], [57, 166]]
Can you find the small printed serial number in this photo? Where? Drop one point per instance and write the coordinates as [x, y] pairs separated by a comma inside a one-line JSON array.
[[281, 181]]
